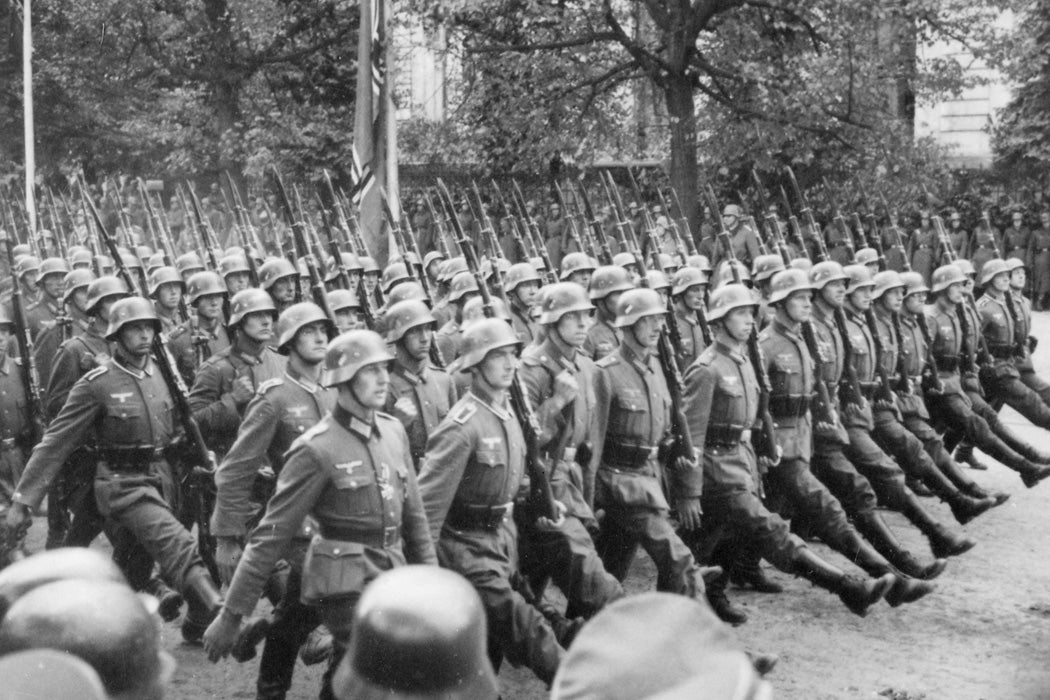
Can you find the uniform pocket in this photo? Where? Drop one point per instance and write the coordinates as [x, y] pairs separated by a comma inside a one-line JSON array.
[[333, 569]]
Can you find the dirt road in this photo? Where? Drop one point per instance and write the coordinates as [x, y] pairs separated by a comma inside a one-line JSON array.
[[984, 634]]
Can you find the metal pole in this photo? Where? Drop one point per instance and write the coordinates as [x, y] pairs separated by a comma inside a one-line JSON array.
[[27, 103]]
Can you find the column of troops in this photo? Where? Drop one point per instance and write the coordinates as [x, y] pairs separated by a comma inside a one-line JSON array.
[[345, 450]]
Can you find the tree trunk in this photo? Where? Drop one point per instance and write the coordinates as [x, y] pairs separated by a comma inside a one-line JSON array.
[[226, 83], [681, 112]]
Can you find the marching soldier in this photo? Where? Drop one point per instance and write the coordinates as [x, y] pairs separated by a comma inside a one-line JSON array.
[[1027, 342], [74, 322], [743, 239], [922, 248], [689, 292], [607, 284], [279, 279], [471, 477], [958, 238], [559, 380], [577, 268], [166, 289], [634, 419], [351, 473], [123, 409], [721, 402], [450, 336], [283, 409], [235, 272], [1038, 259], [231, 377], [346, 309], [420, 394], [187, 265], [203, 334], [521, 285], [1016, 238], [985, 242], [45, 311]]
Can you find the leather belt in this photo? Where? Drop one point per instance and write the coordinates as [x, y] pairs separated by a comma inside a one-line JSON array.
[[475, 517], [618, 454], [788, 406], [948, 363], [924, 247], [379, 539], [725, 436], [132, 458], [1001, 352]]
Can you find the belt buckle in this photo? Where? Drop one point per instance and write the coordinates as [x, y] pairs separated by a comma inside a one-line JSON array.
[[569, 454], [391, 535]]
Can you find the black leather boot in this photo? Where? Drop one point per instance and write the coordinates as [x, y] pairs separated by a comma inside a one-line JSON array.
[[878, 533], [169, 601], [972, 489], [966, 508], [204, 602], [723, 607], [856, 592], [943, 542], [904, 590]]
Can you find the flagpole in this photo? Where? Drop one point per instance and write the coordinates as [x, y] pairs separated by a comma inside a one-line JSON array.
[[27, 105]]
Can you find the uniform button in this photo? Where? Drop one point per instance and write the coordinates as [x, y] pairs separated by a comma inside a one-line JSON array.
[[335, 551]]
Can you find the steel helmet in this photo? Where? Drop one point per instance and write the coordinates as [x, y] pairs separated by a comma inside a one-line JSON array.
[[624, 260], [729, 297], [431, 257], [130, 310], [725, 274], [405, 291], [404, 316], [765, 266], [21, 249], [202, 284], [249, 301], [732, 210], [26, 264], [701, 263], [143, 252], [1014, 263], [294, 318], [992, 268], [80, 257], [188, 263], [787, 282], [635, 304], [452, 267], [104, 262], [349, 352], [945, 276], [519, 273], [966, 266], [104, 623], [804, 264], [419, 633], [394, 273], [107, 286], [74, 280], [482, 337], [657, 280], [502, 265], [5, 320], [275, 269], [669, 262], [859, 276], [349, 262], [687, 277], [54, 565], [463, 283], [823, 273], [563, 298], [885, 281], [164, 275], [913, 283], [608, 279], [369, 266], [130, 260], [52, 266], [409, 258], [538, 264], [474, 310], [233, 264], [866, 256], [154, 261], [340, 299]]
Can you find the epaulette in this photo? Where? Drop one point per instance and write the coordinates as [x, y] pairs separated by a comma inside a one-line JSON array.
[[98, 371], [269, 384], [314, 430], [609, 360], [176, 332], [706, 357], [385, 416], [530, 360], [464, 413]]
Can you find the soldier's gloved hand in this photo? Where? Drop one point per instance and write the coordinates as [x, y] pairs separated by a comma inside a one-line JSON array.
[[545, 523], [768, 462], [405, 409], [242, 390], [16, 522], [566, 388], [227, 553], [1032, 342], [221, 634], [689, 513]]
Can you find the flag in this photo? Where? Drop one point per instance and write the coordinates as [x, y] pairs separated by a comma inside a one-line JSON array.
[[374, 152]]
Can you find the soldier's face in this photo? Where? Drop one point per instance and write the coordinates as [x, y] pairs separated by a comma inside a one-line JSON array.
[[1018, 220], [371, 281], [954, 293], [1018, 278], [52, 285], [311, 341], [739, 322], [105, 305], [209, 306], [346, 320], [29, 279], [370, 385], [499, 366], [416, 341], [572, 327], [647, 331], [798, 306], [236, 281], [694, 296], [79, 299], [860, 299], [892, 299], [136, 338], [258, 325], [834, 293], [283, 290], [526, 292], [581, 277], [955, 222], [169, 295], [1001, 282], [913, 303]]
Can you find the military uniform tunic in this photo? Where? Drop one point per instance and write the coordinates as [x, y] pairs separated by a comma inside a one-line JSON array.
[[602, 338], [449, 337], [1003, 384], [433, 393], [1038, 258], [692, 336], [191, 344], [922, 252], [14, 421]]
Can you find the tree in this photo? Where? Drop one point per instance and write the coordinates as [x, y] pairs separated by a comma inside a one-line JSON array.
[[1022, 137]]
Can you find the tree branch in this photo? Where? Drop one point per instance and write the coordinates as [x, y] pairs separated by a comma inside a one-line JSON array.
[[585, 40]]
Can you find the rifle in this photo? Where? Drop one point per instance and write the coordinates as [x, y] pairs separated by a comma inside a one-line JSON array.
[[320, 295], [605, 254], [623, 226], [758, 228], [56, 223], [849, 388], [541, 495], [439, 227], [362, 296], [973, 358], [688, 234], [530, 222], [754, 350], [570, 221], [197, 461], [30, 375], [246, 220], [524, 240]]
